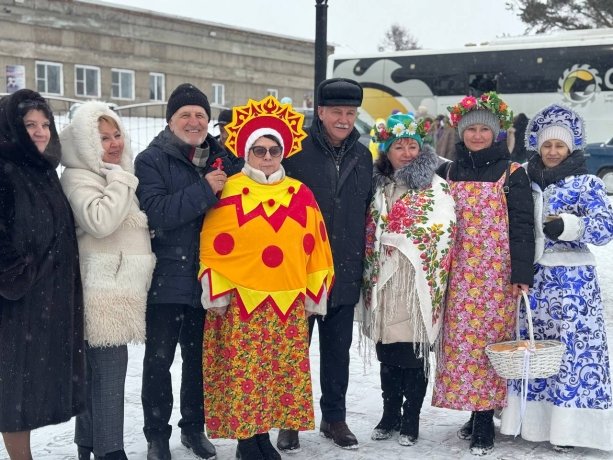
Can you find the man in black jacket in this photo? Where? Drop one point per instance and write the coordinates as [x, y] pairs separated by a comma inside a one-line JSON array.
[[338, 169], [179, 174]]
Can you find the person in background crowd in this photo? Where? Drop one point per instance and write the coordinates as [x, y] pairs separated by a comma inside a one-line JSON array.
[[177, 185], [225, 117], [575, 406], [491, 265], [446, 144], [409, 233], [374, 146], [515, 139], [338, 169], [262, 274], [41, 301], [116, 267]]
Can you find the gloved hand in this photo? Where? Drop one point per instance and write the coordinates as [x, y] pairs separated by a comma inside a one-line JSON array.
[[108, 167], [553, 229]]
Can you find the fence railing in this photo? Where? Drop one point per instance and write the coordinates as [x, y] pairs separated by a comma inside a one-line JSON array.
[[143, 121]]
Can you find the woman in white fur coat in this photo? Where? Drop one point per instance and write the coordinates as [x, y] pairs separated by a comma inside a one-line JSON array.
[[116, 266]]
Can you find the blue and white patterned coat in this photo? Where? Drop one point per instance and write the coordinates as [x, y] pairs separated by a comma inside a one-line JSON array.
[[573, 407]]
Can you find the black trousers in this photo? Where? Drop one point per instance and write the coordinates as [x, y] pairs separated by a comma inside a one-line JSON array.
[[335, 335], [167, 325]]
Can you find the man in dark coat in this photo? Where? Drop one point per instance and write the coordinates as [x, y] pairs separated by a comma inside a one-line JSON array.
[[42, 365], [179, 174], [338, 169]]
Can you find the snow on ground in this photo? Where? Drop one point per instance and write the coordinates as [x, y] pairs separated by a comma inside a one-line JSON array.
[[438, 428]]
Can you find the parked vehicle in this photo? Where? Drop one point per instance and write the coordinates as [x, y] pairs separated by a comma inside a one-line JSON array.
[[573, 68], [599, 159]]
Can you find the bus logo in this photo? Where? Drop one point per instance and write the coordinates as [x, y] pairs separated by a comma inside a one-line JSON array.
[[579, 84]]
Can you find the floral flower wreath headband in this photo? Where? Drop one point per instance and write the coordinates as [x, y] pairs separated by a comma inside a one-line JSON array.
[[487, 101], [556, 115], [398, 126], [267, 116]]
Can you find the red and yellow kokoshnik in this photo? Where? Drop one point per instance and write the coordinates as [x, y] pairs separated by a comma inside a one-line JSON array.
[[267, 113], [258, 239]]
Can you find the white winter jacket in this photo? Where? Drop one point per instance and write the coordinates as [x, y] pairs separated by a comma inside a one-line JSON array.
[[114, 242]]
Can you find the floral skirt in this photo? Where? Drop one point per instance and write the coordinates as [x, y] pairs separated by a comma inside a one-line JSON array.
[[257, 372]]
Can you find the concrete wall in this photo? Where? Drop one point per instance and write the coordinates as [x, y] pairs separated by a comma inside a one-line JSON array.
[[109, 36]]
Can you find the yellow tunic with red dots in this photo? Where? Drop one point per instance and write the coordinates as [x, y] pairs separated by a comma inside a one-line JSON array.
[[266, 242], [267, 246]]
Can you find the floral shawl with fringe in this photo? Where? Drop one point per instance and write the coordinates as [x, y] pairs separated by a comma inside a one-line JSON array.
[[420, 225]]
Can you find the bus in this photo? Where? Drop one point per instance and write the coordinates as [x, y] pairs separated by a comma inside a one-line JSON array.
[[574, 68]]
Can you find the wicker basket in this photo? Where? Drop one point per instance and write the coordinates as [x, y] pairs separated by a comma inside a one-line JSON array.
[[509, 358]]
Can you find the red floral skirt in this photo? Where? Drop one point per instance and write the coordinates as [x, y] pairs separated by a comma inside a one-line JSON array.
[[257, 372]]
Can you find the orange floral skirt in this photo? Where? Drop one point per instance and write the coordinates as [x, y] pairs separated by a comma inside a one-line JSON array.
[[257, 372]]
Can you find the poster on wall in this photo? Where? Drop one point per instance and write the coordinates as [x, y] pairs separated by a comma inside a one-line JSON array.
[[15, 78]]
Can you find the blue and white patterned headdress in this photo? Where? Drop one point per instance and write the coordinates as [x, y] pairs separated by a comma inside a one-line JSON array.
[[556, 115]]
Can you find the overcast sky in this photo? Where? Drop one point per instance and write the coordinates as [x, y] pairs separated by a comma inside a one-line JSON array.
[[355, 26]]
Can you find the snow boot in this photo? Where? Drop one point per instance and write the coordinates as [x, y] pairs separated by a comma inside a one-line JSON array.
[[482, 439], [466, 431], [84, 453], [391, 387], [414, 387], [115, 455], [249, 449], [288, 441], [266, 447], [562, 449]]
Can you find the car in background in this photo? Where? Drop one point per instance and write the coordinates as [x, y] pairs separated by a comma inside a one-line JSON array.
[[599, 161]]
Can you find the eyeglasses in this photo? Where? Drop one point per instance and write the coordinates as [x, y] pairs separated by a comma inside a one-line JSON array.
[[260, 152]]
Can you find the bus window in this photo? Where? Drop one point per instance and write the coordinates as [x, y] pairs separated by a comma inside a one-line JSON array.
[[482, 83]]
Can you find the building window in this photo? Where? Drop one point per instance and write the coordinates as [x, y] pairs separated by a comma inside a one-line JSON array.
[[272, 92], [87, 81], [218, 94], [156, 87], [122, 84], [49, 78]]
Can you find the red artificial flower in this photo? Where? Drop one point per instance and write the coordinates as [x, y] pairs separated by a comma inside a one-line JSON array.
[[218, 164], [468, 102]]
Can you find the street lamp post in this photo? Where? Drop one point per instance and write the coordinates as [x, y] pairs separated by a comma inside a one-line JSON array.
[[321, 45]]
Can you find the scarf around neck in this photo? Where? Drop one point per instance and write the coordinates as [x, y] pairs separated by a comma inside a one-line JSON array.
[[574, 165]]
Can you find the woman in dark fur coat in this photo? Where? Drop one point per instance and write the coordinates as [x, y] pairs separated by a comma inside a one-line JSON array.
[[41, 304]]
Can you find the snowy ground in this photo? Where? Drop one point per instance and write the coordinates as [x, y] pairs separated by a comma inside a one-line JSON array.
[[437, 431]]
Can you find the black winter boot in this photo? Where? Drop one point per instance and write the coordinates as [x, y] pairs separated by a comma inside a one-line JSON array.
[[288, 441], [482, 440], [115, 455], [391, 386], [84, 453], [266, 447], [415, 384], [249, 449], [466, 431]]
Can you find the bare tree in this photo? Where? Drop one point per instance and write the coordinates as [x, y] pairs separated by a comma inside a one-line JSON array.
[[398, 38], [544, 15]]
